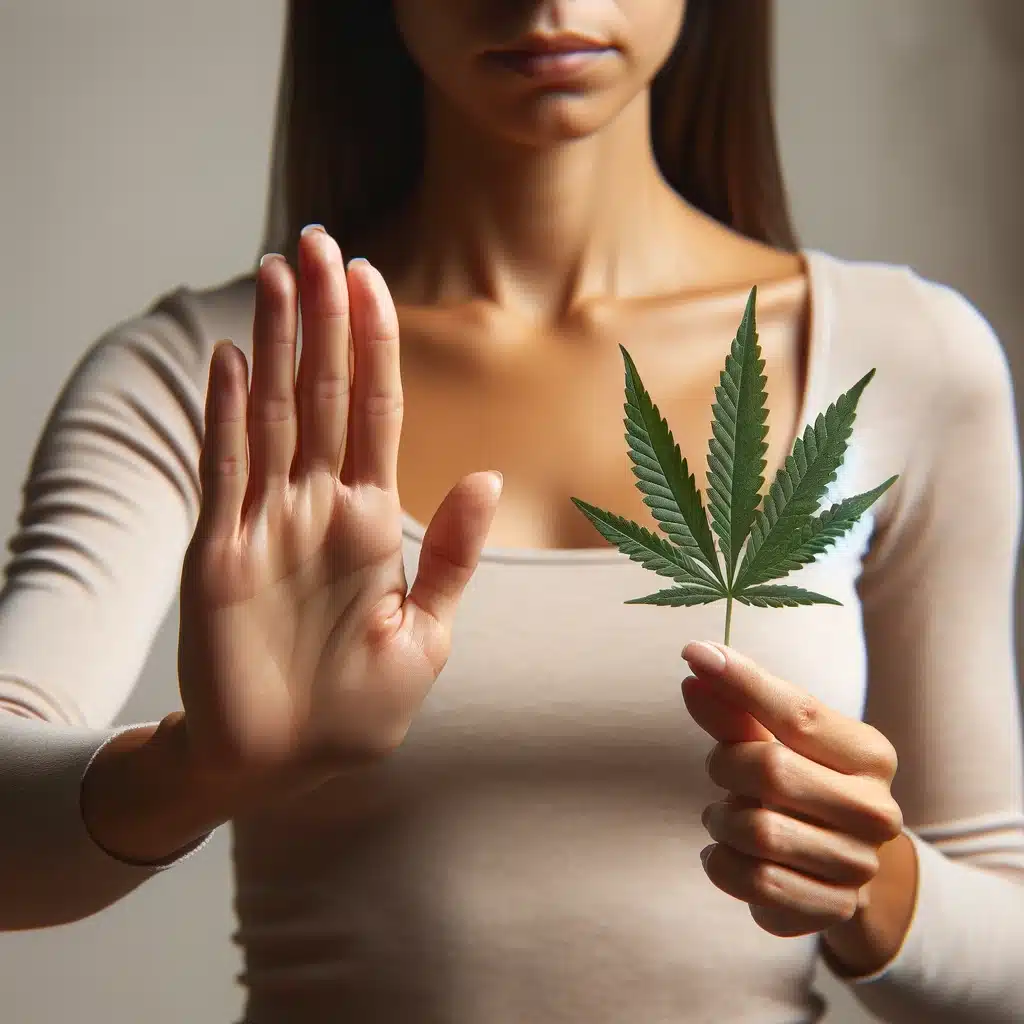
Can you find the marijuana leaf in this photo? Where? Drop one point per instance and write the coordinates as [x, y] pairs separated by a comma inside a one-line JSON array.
[[811, 538], [686, 595], [737, 447], [669, 488], [799, 486], [781, 597], [759, 540], [647, 548]]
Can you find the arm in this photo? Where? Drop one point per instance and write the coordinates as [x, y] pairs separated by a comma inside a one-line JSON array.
[[109, 506], [937, 593]]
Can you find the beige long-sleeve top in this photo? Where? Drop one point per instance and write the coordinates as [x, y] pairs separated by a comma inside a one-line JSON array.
[[530, 853]]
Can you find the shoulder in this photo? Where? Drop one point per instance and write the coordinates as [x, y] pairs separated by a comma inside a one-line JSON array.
[[202, 317], [158, 360], [933, 349]]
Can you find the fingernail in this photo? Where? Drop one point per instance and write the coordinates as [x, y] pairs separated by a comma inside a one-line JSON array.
[[357, 259], [707, 760], [704, 854], [267, 256], [705, 815], [703, 657], [499, 480], [312, 227]]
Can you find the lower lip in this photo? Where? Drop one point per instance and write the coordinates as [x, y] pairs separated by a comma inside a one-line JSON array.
[[551, 67]]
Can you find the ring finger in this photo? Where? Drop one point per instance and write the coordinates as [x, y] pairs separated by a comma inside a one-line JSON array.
[[272, 425], [768, 834]]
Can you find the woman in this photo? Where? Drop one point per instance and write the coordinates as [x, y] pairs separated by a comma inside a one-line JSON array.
[[517, 838]]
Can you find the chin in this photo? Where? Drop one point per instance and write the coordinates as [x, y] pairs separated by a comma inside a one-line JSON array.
[[554, 118]]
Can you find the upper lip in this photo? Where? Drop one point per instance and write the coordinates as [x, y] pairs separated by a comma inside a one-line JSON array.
[[561, 42]]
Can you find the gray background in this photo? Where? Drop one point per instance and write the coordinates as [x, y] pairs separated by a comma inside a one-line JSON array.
[[133, 144]]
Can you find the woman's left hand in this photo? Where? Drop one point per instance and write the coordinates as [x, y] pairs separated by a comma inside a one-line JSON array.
[[808, 807]]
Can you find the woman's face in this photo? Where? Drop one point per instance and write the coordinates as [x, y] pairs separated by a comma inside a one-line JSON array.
[[540, 71]]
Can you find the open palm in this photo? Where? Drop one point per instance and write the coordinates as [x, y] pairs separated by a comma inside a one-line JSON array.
[[300, 649]]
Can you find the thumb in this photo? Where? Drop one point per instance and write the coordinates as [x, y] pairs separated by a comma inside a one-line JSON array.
[[452, 544]]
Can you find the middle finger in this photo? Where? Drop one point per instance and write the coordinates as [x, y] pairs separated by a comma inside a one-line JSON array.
[[768, 834], [777, 776], [323, 383]]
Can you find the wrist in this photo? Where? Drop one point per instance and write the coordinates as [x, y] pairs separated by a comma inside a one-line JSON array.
[[874, 935], [142, 801]]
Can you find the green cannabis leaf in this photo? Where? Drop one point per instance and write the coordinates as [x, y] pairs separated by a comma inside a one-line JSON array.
[[759, 539]]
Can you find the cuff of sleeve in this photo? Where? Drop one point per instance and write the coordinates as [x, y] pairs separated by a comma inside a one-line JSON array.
[[67, 874], [159, 865], [962, 956]]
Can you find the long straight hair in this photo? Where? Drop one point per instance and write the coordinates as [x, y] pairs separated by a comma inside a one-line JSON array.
[[349, 139]]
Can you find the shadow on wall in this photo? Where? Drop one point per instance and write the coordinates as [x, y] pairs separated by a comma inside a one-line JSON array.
[[1004, 21]]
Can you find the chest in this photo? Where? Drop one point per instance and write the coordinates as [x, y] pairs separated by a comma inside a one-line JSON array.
[[548, 414]]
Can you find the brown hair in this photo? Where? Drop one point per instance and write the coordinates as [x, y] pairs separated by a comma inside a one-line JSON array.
[[349, 137]]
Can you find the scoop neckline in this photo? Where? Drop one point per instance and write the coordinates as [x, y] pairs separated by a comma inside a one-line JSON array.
[[819, 334]]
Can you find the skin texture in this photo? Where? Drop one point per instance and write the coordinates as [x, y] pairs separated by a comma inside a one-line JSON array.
[[541, 236]]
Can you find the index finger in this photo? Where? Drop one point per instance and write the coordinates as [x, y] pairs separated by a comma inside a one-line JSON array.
[[795, 717]]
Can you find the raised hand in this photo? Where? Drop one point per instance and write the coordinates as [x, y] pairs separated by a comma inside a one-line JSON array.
[[301, 651]]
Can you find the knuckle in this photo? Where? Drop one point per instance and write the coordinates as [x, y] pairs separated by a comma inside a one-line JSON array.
[[767, 833], [863, 866], [385, 331], [807, 716], [385, 405], [228, 465], [281, 343], [848, 905], [883, 819], [331, 387], [271, 409], [777, 772], [884, 759], [892, 820], [766, 881], [441, 555]]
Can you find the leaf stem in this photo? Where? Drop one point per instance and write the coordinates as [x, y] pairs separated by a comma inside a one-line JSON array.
[[728, 618]]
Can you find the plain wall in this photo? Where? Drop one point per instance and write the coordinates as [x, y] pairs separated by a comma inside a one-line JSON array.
[[133, 146]]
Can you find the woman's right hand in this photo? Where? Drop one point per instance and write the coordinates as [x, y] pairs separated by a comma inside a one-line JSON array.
[[301, 649]]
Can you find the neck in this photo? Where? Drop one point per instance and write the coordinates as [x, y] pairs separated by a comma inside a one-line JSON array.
[[540, 230]]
